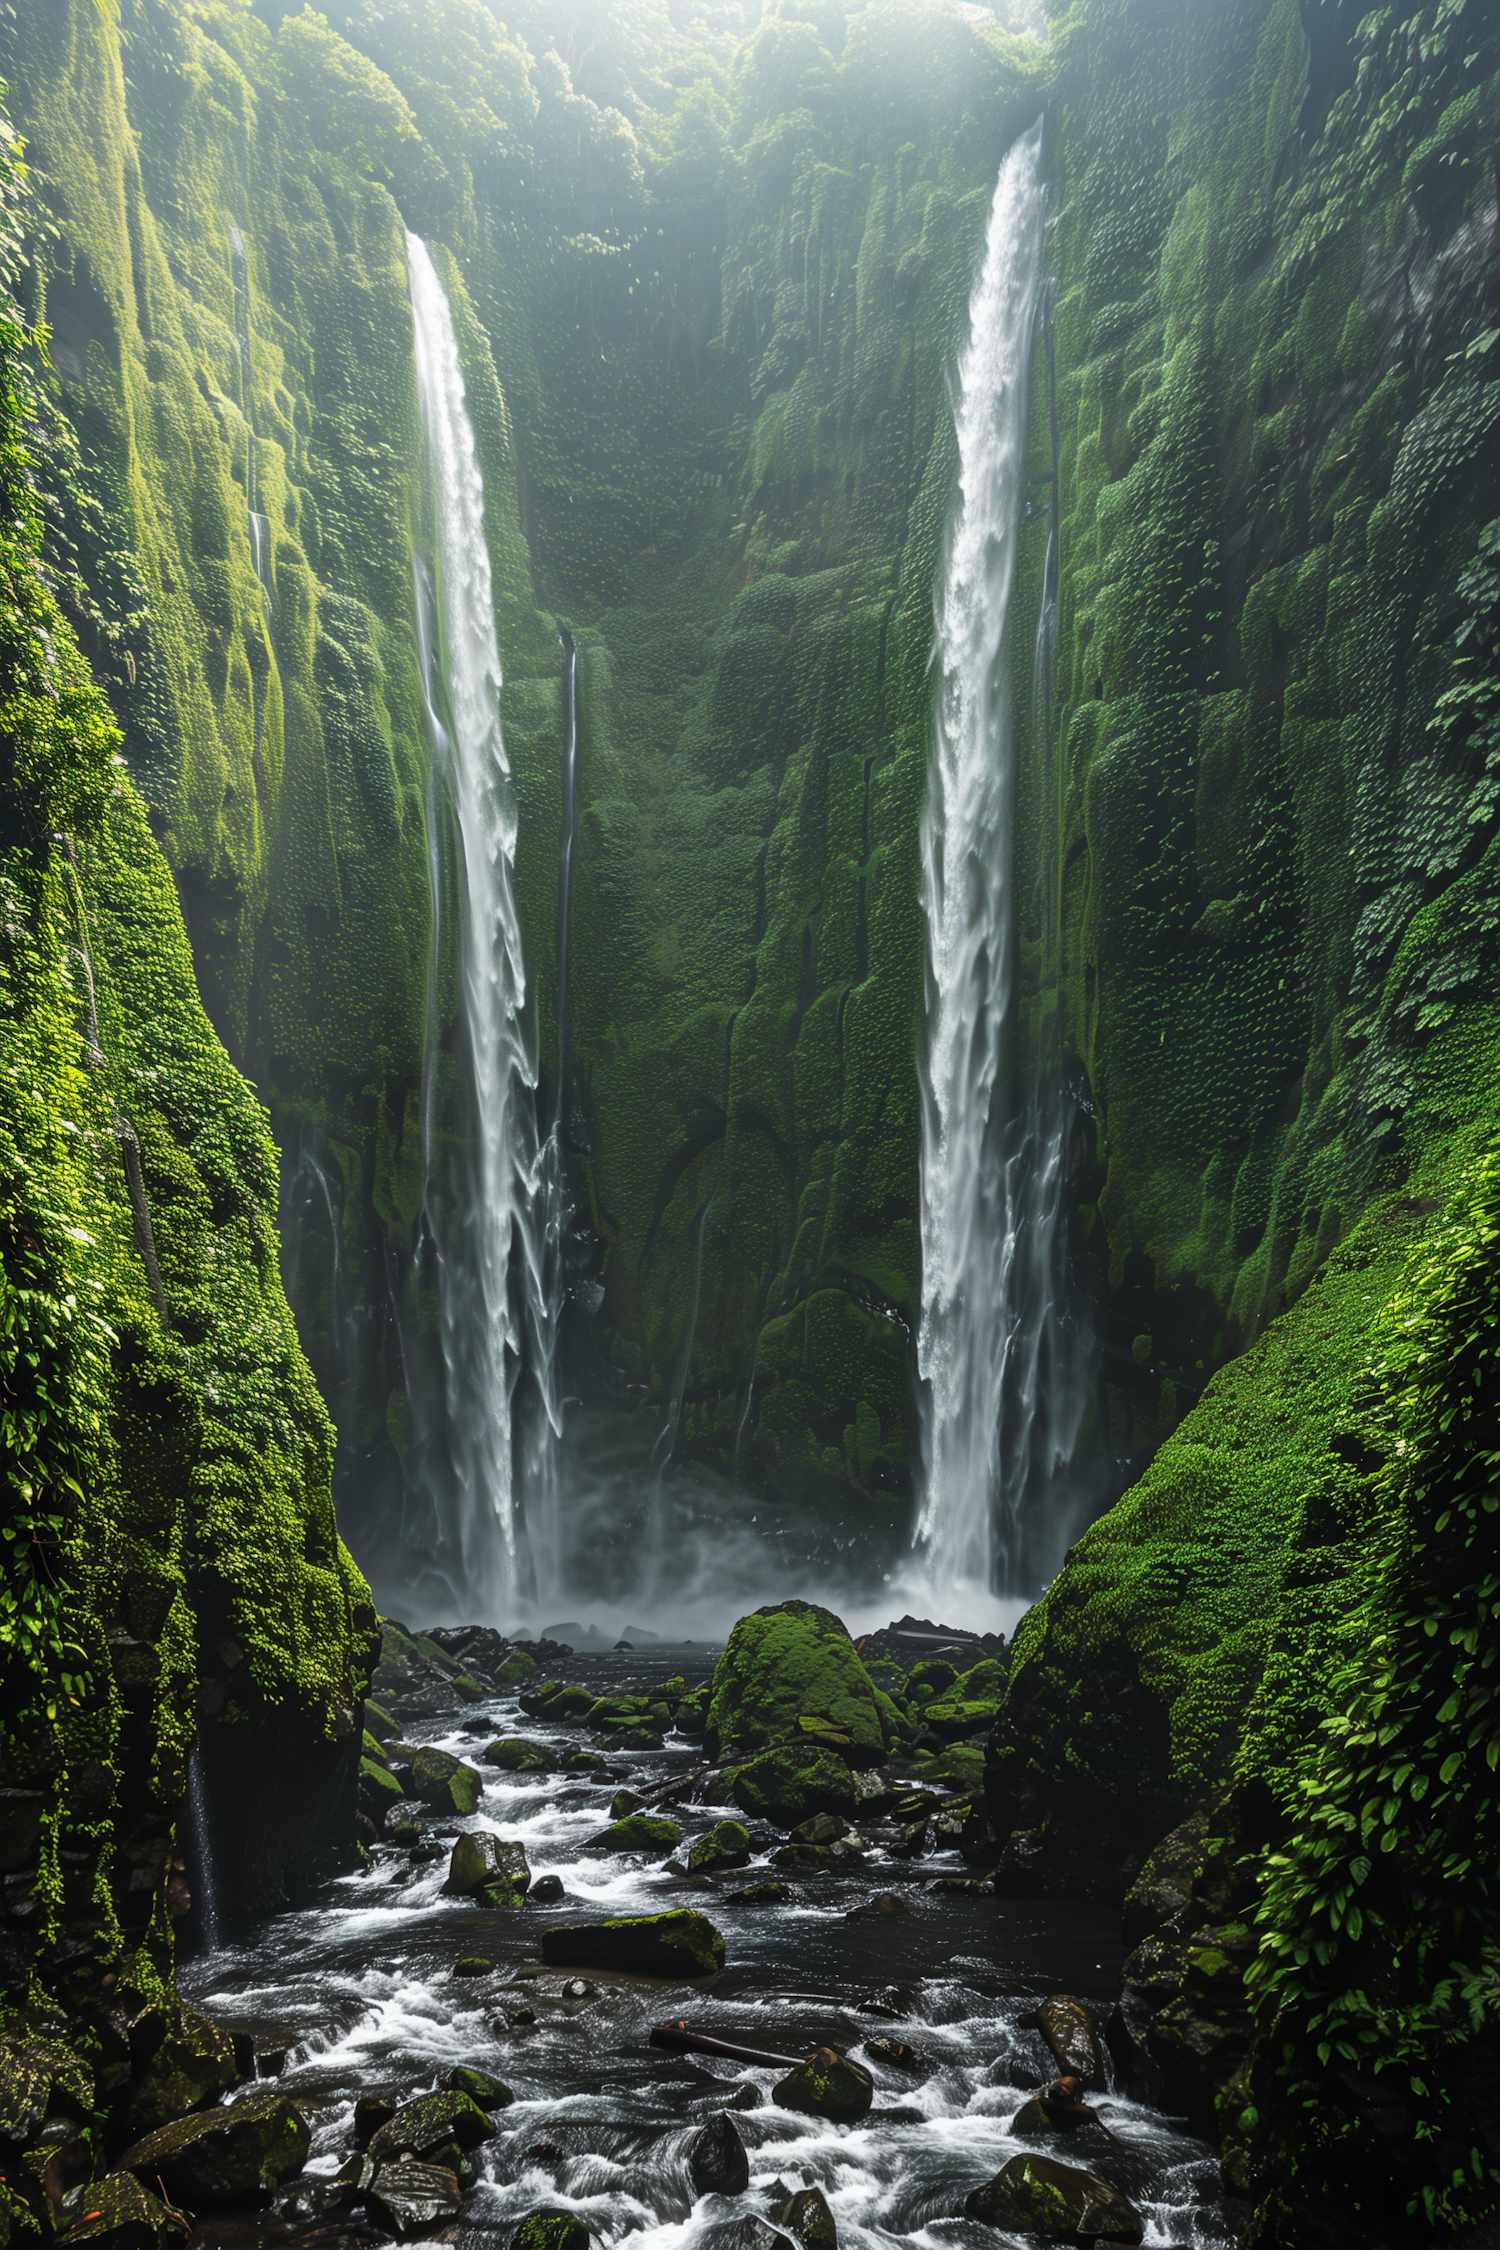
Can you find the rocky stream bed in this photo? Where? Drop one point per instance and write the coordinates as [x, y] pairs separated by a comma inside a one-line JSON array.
[[479, 2069]]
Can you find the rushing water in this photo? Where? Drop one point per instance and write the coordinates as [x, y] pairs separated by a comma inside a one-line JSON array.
[[1000, 1412], [477, 1226], [363, 1987]]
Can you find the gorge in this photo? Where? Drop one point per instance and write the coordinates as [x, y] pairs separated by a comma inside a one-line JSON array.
[[748, 783]]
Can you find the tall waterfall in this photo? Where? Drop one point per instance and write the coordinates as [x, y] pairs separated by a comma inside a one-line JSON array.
[[487, 1264], [1001, 1415]]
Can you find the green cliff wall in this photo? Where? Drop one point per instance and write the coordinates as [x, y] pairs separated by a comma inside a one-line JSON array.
[[171, 1566]]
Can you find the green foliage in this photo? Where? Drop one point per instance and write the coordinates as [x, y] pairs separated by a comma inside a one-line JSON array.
[[1379, 1945]]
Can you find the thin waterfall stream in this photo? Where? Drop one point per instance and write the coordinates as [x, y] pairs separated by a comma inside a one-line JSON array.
[[479, 1223], [1002, 1411]]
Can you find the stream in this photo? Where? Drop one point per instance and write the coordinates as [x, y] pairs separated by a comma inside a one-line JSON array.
[[361, 1991]]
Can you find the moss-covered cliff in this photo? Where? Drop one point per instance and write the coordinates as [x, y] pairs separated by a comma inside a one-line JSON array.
[[172, 1572]]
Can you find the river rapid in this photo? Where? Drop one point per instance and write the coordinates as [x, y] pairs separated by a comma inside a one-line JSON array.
[[361, 1989]]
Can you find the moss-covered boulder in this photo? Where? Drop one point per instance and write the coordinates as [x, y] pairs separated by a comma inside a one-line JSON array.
[[1037, 2195], [516, 1670], [445, 1782], [380, 1791], [489, 2093], [421, 2128], [678, 1944], [827, 2085], [784, 1786], [193, 2064], [637, 1832], [515, 1754], [559, 1702], [786, 1663], [808, 2219], [1070, 2030], [224, 2155], [726, 1844], [550, 2230], [483, 1860]]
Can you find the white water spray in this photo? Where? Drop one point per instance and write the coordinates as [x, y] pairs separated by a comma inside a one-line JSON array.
[[989, 1188], [488, 1269]]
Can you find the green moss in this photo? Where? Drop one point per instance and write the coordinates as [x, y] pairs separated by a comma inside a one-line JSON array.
[[785, 1664], [639, 1832]]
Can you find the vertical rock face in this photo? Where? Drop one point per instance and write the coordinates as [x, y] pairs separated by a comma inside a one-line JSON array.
[[172, 1566]]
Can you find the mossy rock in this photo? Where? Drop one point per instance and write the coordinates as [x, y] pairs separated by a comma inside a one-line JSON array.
[[445, 1782], [224, 2155], [581, 1761], [827, 2085], [953, 1720], [423, 2128], [932, 1678], [379, 1788], [119, 2213], [379, 1723], [482, 1859], [469, 1691], [678, 1944], [637, 1832], [786, 1663], [1037, 2195], [515, 1669], [550, 2230], [784, 1786], [808, 2219], [489, 2093], [193, 2065], [558, 1702], [726, 1844], [372, 1748], [515, 1754]]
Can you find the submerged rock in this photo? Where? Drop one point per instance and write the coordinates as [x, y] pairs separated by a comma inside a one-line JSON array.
[[546, 1890], [716, 2159], [787, 1663], [224, 2155], [827, 2085], [483, 1859], [769, 1891], [677, 1944], [1037, 2195], [752, 2232]]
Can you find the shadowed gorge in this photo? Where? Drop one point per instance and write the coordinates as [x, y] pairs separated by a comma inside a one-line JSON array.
[[749, 772]]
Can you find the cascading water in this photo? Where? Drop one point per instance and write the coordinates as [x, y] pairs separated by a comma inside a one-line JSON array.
[[1001, 1411], [488, 1268]]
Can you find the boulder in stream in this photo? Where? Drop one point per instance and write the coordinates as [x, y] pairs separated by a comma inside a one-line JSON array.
[[1072, 2034], [445, 1782], [489, 2093], [550, 2230], [637, 1832], [1037, 2195], [414, 2198], [716, 2159], [546, 1890], [677, 1944], [484, 1860], [514, 1753], [752, 2232], [229, 2155], [785, 1786], [786, 1664], [808, 2220], [433, 2122], [726, 1844], [827, 2085], [118, 2213]]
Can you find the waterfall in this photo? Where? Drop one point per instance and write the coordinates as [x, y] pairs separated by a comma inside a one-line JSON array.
[[487, 1262], [994, 1347]]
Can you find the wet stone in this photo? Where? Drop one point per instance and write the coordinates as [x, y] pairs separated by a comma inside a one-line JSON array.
[[749, 2233], [483, 1859], [1037, 2195], [716, 2159], [769, 1891], [726, 1844], [487, 2092], [194, 2063], [444, 1782], [897, 2054], [371, 2111], [550, 2230], [474, 1965], [224, 2155], [680, 1944], [1072, 2034], [420, 2128], [641, 1832], [827, 2085], [118, 2213], [808, 2220], [546, 1890], [514, 1754], [413, 2198]]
